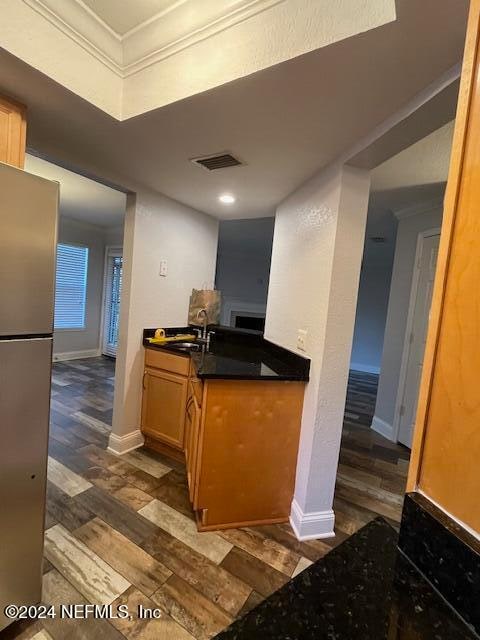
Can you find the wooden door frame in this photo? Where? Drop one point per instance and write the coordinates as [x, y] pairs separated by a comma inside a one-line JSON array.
[[428, 233], [467, 85]]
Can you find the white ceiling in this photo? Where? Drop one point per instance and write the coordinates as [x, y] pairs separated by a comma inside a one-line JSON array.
[[417, 174], [124, 15], [285, 122], [81, 198]]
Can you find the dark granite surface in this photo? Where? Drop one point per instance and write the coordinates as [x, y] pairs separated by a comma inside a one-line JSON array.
[[365, 589], [445, 553], [239, 355]]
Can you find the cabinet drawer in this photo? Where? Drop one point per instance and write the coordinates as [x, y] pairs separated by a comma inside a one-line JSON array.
[[167, 361]]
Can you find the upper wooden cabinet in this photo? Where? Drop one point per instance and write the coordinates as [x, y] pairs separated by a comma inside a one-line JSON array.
[[13, 131]]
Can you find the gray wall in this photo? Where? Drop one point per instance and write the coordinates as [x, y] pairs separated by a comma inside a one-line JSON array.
[[374, 289], [243, 261], [371, 317], [403, 267], [95, 238]]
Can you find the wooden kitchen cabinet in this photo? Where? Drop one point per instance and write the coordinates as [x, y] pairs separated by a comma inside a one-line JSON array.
[[163, 406], [239, 437], [13, 129], [242, 451]]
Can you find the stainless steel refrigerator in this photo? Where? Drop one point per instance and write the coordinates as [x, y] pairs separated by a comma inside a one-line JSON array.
[[28, 236]]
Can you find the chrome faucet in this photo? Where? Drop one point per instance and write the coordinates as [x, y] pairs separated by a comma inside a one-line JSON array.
[[209, 337], [205, 322]]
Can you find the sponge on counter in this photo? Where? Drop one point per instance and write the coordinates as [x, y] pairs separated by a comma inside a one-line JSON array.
[[160, 337]]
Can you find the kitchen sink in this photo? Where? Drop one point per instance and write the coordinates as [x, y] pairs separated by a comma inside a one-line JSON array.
[[192, 346]]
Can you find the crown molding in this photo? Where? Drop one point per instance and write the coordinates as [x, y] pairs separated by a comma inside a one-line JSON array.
[[419, 208], [188, 48], [153, 18], [82, 26], [164, 35]]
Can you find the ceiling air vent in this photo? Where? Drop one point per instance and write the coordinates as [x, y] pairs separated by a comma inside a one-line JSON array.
[[217, 161], [378, 239]]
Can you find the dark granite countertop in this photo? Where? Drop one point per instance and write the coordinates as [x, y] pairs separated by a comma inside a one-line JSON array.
[[365, 589], [239, 355]]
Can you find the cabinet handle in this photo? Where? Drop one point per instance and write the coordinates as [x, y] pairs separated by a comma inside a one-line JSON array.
[[143, 380]]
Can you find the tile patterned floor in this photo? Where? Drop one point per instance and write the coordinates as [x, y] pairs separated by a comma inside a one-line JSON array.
[[120, 530]]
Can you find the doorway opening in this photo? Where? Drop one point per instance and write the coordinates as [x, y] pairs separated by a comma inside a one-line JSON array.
[[394, 297], [416, 335], [111, 300], [243, 271], [86, 317]]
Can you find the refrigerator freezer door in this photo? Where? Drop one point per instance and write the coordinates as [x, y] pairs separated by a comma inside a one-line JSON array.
[[25, 370], [28, 236]]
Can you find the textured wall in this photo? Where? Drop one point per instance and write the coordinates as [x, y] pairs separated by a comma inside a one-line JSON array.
[[156, 228], [317, 250]]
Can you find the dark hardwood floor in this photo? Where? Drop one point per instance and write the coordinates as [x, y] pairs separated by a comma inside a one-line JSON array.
[[120, 530], [372, 471]]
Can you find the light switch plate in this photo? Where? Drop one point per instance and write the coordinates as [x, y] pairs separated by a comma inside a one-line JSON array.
[[302, 340], [163, 267]]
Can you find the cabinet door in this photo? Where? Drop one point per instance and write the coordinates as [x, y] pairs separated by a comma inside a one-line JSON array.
[[163, 408], [13, 129]]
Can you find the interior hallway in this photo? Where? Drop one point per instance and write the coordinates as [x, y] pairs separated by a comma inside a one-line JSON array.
[[372, 471], [121, 530]]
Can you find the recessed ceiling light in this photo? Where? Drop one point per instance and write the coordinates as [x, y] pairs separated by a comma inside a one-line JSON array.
[[226, 198]]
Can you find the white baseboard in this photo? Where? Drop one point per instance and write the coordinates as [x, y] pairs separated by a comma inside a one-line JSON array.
[[123, 444], [313, 525], [365, 368], [76, 355], [383, 428]]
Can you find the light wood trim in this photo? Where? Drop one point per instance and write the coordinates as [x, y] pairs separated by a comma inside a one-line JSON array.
[[235, 525], [13, 132], [449, 215], [197, 389], [194, 444], [171, 362]]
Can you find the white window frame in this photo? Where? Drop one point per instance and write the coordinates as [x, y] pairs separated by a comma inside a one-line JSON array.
[[84, 327], [114, 251]]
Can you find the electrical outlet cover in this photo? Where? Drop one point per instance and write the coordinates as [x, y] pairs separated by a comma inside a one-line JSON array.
[[302, 340]]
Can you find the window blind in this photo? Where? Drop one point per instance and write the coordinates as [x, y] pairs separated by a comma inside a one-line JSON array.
[[71, 286]]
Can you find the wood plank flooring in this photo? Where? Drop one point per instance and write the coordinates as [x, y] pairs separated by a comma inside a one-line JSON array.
[[120, 530], [372, 471]]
